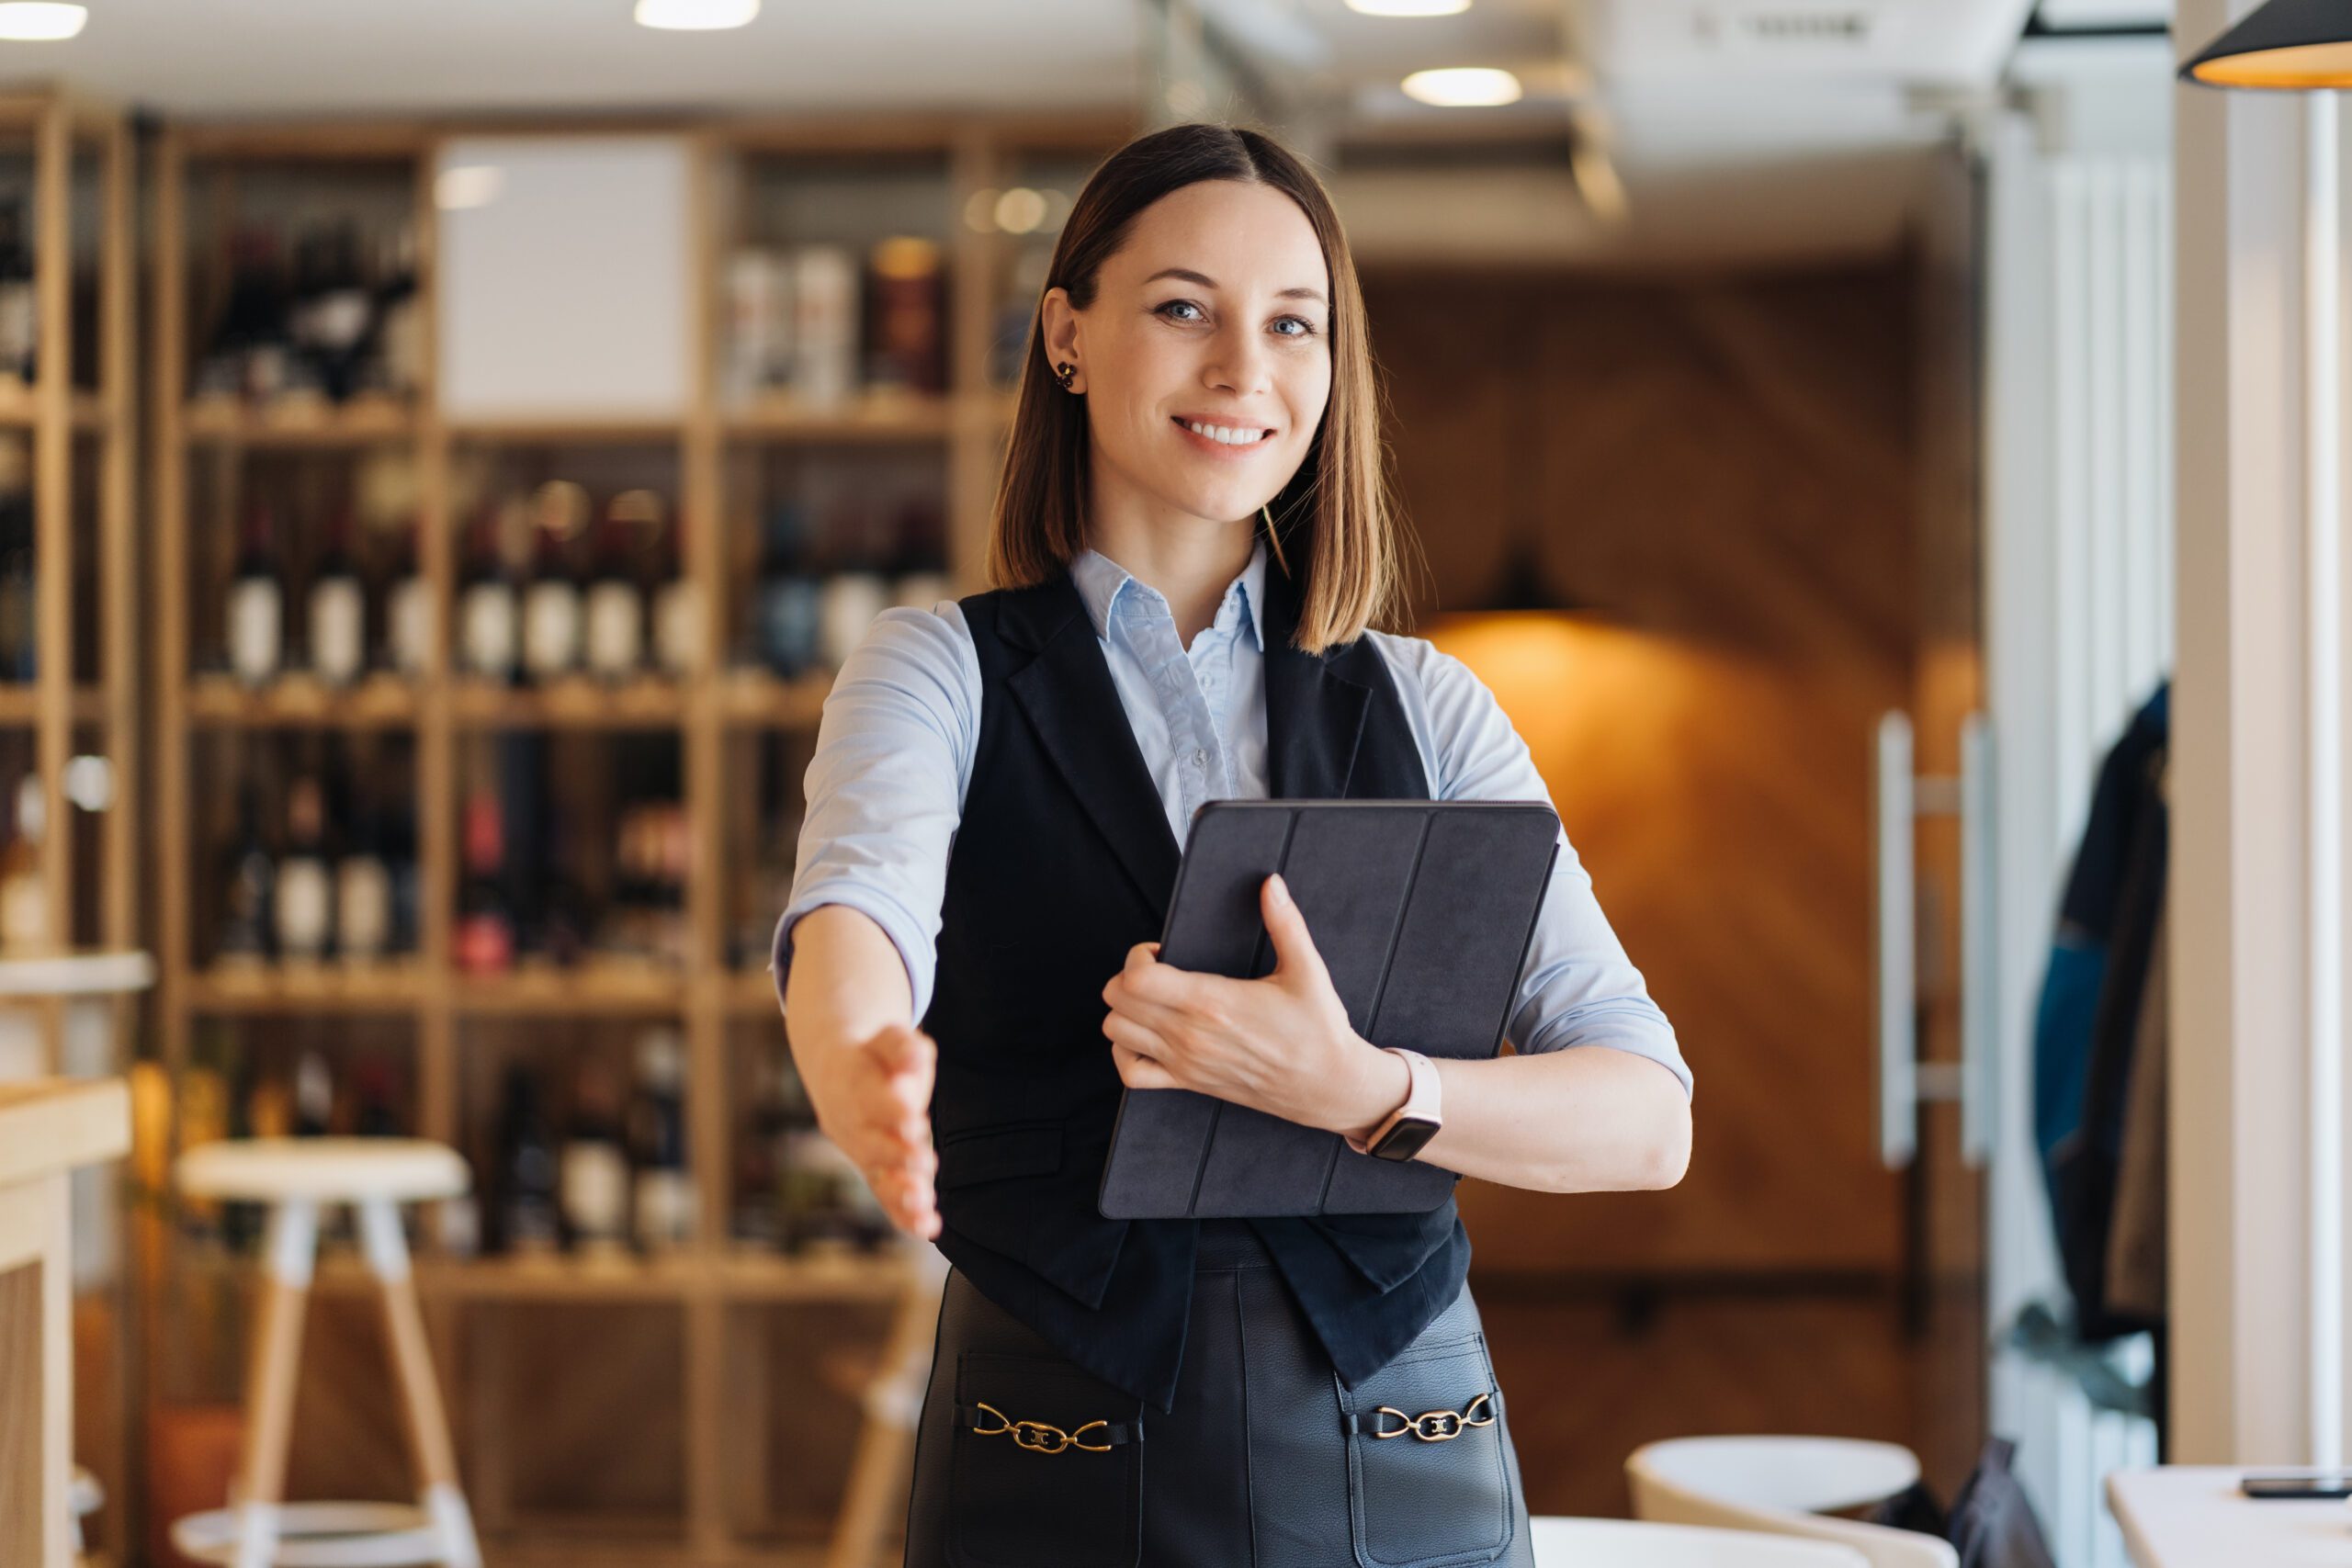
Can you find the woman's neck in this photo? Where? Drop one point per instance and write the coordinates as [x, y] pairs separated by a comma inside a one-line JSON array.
[[1190, 566]]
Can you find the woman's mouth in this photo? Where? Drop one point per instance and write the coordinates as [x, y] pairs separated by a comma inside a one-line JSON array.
[[1222, 441]]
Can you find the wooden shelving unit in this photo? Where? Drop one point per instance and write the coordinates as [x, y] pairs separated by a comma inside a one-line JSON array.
[[77, 417], [709, 998]]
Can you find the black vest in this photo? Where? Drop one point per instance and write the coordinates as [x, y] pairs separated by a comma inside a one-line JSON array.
[[1062, 861]]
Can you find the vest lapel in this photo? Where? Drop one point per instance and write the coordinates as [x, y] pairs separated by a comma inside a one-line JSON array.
[[1315, 720], [1313, 714], [1067, 693]]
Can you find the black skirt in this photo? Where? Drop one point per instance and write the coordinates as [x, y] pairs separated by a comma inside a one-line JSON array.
[[1024, 1460]]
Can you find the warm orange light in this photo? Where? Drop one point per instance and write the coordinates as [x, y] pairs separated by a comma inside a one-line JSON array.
[[2306, 65]]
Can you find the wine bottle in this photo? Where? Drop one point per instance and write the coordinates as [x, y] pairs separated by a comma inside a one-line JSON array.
[[338, 610], [305, 884], [551, 610], [593, 1175], [789, 596], [527, 1220], [489, 610], [256, 613], [679, 633], [313, 1094], [408, 615], [395, 351], [249, 874], [483, 941], [341, 309], [363, 887], [664, 1196], [19, 300], [615, 604]]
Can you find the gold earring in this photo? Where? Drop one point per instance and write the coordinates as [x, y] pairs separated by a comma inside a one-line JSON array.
[[1064, 373], [1274, 539]]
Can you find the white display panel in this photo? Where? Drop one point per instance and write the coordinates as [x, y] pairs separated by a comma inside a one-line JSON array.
[[565, 276]]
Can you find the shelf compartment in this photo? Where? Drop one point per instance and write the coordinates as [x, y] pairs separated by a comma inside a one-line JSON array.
[[551, 991], [577, 703], [223, 422], [299, 701], [777, 416], [395, 985]]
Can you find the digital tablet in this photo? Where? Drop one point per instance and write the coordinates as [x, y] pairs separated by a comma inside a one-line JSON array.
[[1422, 911]]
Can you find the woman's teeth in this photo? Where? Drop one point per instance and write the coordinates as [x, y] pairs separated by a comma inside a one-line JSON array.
[[1226, 435]]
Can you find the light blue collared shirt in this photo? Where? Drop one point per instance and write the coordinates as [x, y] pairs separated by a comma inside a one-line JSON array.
[[886, 787]]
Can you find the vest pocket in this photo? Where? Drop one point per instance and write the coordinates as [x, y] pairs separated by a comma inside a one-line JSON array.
[[1045, 1467], [1433, 1492]]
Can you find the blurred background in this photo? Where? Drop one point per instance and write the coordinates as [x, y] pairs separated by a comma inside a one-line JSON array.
[[446, 448]]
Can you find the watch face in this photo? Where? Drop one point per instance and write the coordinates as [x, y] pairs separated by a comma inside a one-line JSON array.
[[1405, 1139]]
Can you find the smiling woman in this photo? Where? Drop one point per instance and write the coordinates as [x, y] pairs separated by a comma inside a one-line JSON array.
[[1191, 539]]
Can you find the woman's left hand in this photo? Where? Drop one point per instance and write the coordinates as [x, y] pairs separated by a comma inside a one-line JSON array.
[[1282, 1045]]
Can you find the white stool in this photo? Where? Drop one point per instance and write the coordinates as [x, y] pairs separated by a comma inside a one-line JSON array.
[[1785, 1486], [1564, 1540], [294, 1176]]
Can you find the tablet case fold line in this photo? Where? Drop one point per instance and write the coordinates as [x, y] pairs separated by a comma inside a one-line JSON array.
[[1387, 961]]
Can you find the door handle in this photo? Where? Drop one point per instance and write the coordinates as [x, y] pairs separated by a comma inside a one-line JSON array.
[[1904, 1082]]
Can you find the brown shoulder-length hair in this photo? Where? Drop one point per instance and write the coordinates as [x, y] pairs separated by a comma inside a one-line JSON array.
[[1334, 522]]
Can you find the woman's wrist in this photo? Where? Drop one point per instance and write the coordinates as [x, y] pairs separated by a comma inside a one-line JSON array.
[[1382, 1081]]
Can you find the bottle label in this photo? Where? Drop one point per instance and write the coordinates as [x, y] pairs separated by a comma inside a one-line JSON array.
[[410, 628], [615, 629], [363, 907], [305, 906], [338, 636], [677, 630], [594, 1183], [254, 629], [489, 629], [551, 629]]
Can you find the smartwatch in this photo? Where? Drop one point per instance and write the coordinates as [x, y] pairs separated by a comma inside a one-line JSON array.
[[1411, 1125]]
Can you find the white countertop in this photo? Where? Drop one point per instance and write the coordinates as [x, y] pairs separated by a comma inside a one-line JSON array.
[[2193, 1516]]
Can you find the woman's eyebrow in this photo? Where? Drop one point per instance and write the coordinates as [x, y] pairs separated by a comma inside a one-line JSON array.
[[1206, 281]]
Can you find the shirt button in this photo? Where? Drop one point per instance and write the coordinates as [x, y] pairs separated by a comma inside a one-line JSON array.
[[1200, 758]]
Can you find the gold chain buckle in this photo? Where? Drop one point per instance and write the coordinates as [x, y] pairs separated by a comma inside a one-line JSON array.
[[1042, 1436], [1436, 1426]]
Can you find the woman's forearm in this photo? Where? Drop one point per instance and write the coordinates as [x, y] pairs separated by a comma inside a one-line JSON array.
[[1580, 1119], [846, 982]]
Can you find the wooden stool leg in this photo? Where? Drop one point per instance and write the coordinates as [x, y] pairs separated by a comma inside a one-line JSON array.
[[428, 1425], [269, 1382]]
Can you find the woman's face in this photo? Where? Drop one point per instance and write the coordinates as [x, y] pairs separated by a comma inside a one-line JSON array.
[[1216, 314]]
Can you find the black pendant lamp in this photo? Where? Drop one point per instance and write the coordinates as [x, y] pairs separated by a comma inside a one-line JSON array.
[[1522, 584], [2285, 43]]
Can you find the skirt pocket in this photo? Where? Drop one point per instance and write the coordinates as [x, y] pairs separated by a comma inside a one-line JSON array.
[[1045, 1466], [1426, 1484]]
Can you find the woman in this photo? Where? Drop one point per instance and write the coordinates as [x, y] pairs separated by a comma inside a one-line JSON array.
[[1191, 538]]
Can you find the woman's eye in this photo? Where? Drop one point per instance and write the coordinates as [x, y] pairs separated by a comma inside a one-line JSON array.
[[1306, 328]]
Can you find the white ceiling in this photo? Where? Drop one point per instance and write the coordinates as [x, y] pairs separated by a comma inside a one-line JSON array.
[[1788, 121]]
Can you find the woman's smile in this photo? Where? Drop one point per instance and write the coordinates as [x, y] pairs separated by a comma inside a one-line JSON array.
[[1243, 440]]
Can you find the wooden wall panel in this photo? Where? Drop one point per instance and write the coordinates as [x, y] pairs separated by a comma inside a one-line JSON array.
[[1722, 470]]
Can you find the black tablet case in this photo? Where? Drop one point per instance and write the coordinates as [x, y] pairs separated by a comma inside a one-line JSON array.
[[1422, 911]]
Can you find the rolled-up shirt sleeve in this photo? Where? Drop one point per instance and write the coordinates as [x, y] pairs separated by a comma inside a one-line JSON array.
[[885, 787], [1576, 986]]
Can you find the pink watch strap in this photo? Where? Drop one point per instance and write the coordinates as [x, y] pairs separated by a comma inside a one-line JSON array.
[[1420, 1099]]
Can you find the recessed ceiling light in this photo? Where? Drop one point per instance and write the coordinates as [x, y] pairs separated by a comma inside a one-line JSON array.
[[696, 16], [1409, 7], [29, 21], [1463, 86]]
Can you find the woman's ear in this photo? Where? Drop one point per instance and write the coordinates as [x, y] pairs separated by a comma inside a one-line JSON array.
[[1059, 322]]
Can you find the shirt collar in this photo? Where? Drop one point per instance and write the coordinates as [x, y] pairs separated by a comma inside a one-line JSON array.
[[1101, 580]]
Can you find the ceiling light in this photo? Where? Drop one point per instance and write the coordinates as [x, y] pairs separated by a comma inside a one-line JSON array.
[[1463, 86], [462, 185], [696, 16], [1409, 7], [31, 21], [2287, 44]]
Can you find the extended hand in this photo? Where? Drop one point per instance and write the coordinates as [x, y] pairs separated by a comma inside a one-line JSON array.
[[1282, 1045], [874, 1101]]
